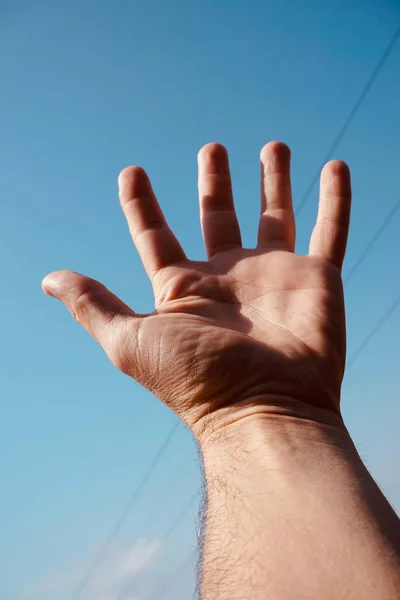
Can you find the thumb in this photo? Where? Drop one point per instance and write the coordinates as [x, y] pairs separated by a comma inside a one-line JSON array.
[[93, 306]]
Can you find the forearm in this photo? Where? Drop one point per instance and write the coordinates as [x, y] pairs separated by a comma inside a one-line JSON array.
[[292, 512]]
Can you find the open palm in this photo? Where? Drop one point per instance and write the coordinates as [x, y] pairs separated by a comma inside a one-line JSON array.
[[247, 326]]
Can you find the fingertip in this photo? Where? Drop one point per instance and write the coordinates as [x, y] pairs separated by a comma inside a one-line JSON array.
[[336, 180], [336, 168], [132, 171], [46, 289], [133, 182], [49, 284], [213, 153], [275, 149], [56, 282]]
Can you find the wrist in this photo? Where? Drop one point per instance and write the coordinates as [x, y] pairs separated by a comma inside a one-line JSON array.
[[268, 418], [283, 441]]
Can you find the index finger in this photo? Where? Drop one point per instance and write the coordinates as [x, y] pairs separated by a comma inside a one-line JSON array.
[[155, 242]]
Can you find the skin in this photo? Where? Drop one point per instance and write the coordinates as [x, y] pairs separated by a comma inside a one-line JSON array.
[[249, 349]]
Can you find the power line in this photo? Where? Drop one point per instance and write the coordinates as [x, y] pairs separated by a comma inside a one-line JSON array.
[[124, 514], [351, 116], [372, 241], [166, 586], [167, 534], [177, 472], [385, 317], [161, 494], [181, 515]]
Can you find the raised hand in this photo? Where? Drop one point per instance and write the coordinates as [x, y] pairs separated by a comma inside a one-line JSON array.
[[250, 329]]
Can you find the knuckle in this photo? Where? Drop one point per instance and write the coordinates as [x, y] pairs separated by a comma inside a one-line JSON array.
[[87, 297]]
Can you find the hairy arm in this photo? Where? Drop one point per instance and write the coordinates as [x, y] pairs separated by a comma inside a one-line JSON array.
[[292, 512]]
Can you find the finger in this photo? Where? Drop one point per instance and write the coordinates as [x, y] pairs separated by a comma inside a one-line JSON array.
[[218, 218], [155, 242], [99, 311], [329, 237], [277, 225]]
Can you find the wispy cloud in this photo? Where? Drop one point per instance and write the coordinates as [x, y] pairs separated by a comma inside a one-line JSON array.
[[123, 565]]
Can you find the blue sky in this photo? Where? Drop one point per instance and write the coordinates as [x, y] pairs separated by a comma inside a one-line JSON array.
[[86, 89]]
